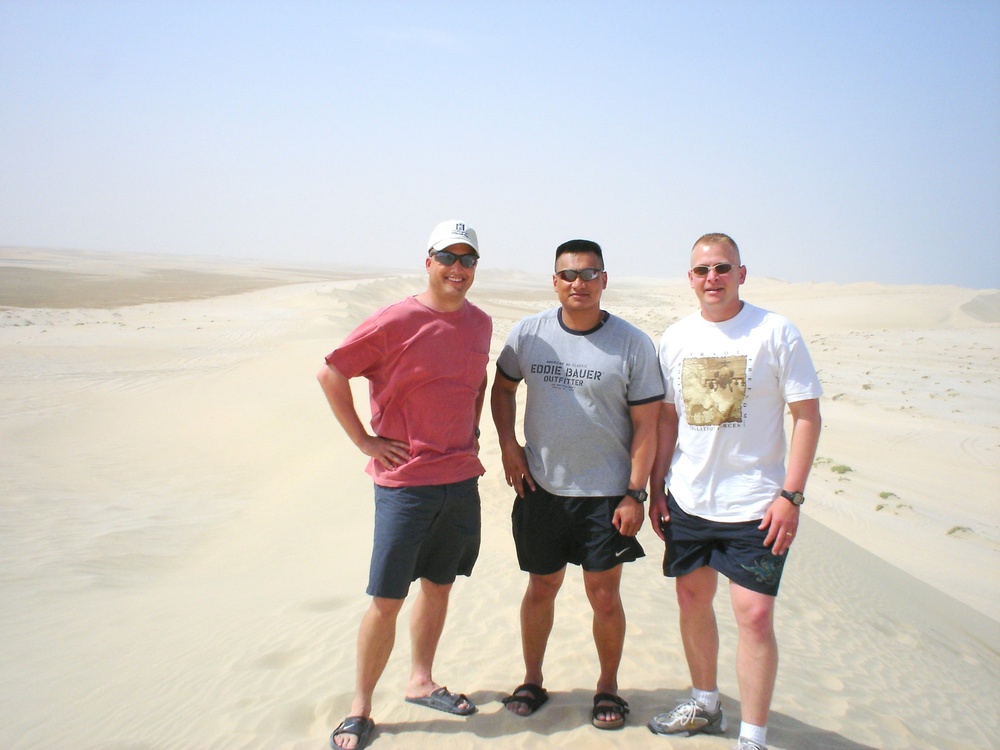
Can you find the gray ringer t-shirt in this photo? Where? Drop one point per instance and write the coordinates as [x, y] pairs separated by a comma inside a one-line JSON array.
[[577, 427]]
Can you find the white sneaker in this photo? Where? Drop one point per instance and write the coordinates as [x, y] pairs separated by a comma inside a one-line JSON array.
[[745, 744], [688, 718]]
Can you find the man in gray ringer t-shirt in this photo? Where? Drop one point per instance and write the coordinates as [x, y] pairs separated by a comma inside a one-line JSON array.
[[593, 392]]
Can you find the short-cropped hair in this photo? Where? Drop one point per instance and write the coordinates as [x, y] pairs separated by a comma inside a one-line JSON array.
[[715, 238], [580, 246]]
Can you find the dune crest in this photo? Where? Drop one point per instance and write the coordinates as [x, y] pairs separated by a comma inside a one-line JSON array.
[[186, 529]]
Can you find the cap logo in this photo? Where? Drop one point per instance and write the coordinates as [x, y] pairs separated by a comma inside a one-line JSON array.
[[452, 232]]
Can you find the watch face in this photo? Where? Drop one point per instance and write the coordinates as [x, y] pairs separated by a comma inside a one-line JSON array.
[[796, 498]]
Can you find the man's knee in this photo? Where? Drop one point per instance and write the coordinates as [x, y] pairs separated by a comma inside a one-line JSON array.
[[543, 588], [696, 590], [385, 607], [754, 613], [435, 594], [603, 591], [606, 602]]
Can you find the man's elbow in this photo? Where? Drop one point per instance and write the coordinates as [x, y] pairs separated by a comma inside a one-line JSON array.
[[329, 377], [808, 412]]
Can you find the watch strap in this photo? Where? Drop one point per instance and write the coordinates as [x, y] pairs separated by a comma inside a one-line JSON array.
[[795, 498]]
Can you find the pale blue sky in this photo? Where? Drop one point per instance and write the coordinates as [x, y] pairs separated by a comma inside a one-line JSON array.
[[835, 141]]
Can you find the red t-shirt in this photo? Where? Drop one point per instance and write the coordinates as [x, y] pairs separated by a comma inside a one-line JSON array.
[[424, 370]]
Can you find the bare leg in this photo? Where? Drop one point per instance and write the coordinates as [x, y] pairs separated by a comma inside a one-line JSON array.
[[376, 637], [608, 626], [756, 652], [537, 615], [426, 626], [699, 629]]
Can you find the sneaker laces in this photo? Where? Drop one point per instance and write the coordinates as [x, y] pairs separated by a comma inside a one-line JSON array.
[[688, 711]]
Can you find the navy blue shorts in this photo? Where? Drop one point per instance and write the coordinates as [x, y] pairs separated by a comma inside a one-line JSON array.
[[429, 531], [736, 550], [552, 530]]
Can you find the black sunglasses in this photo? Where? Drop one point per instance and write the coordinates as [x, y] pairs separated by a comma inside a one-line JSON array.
[[448, 259], [587, 274], [720, 268]]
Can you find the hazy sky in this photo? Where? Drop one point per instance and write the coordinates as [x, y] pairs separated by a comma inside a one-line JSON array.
[[835, 141]]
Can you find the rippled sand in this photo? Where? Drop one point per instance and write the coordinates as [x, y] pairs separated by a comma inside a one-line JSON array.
[[186, 530]]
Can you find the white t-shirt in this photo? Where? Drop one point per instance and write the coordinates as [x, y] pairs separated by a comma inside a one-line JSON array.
[[577, 426], [731, 382]]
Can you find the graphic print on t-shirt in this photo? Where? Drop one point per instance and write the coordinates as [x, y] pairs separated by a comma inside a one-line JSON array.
[[563, 375], [714, 389]]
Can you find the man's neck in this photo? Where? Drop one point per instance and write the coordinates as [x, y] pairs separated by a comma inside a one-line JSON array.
[[721, 315], [438, 303], [582, 321]]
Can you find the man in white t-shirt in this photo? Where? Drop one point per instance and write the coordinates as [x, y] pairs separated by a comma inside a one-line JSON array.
[[730, 369]]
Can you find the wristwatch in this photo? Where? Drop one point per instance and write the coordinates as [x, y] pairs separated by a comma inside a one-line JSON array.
[[795, 498], [640, 495]]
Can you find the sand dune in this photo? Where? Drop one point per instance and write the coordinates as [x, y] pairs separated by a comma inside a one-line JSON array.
[[186, 531]]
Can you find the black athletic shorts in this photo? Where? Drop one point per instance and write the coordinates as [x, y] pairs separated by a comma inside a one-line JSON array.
[[552, 530], [736, 550]]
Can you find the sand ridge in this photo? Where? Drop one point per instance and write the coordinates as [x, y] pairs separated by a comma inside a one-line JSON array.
[[187, 530]]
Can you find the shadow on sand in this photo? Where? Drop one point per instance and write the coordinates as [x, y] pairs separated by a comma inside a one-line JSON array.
[[568, 711]]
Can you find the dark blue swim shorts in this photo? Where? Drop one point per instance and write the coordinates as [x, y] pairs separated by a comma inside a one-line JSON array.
[[429, 531], [736, 550]]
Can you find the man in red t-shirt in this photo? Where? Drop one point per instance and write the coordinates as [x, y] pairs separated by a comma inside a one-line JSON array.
[[425, 360]]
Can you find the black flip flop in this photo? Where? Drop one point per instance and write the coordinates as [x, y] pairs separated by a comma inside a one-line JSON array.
[[605, 703], [443, 699], [360, 726], [536, 697]]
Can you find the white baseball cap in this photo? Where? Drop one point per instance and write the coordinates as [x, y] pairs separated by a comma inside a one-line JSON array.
[[452, 232]]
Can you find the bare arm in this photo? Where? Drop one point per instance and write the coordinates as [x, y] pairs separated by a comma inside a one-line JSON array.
[[629, 513], [480, 401], [782, 517], [806, 426], [337, 388], [503, 403], [666, 443]]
